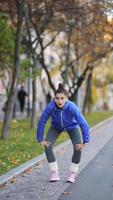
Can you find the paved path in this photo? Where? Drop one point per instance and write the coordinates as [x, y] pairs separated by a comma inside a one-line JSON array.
[[34, 184], [95, 182]]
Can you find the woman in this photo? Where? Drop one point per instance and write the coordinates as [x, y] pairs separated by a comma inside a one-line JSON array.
[[65, 116]]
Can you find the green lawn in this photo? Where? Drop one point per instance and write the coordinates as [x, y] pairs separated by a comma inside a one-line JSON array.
[[21, 146]]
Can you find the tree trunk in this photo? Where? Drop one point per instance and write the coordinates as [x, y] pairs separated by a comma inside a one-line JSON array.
[[33, 115], [67, 61], [12, 92], [87, 99], [78, 83], [28, 103]]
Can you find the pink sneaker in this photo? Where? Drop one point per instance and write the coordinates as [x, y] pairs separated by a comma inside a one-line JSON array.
[[72, 177], [54, 176]]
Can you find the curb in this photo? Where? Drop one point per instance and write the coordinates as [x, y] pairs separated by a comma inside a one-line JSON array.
[[14, 172]]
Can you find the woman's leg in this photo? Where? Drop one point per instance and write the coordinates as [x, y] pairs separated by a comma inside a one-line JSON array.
[[75, 137], [51, 137]]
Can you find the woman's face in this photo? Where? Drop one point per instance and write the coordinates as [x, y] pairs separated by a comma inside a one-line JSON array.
[[60, 99]]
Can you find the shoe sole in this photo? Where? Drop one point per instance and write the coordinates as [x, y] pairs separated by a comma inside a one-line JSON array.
[[70, 181], [54, 180]]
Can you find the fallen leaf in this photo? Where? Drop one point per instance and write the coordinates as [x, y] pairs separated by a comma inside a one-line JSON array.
[[13, 180], [7, 196], [1, 162], [14, 162], [44, 189], [66, 193], [22, 175], [2, 186], [28, 171]]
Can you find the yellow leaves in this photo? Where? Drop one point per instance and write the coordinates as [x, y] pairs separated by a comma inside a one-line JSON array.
[[29, 156], [13, 180], [75, 38], [14, 162], [13, 159], [94, 94], [2, 186], [54, 71], [109, 28], [107, 37], [110, 19], [62, 44], [87, 57], [19, 148], [14, 121], [28, 171], [2, 163], [97, 49]]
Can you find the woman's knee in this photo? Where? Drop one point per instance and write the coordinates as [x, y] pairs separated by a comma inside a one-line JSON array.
[[49, 148], [76, 156]]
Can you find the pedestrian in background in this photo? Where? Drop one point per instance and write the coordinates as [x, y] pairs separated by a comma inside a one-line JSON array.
[[65, 116], [21, 98]]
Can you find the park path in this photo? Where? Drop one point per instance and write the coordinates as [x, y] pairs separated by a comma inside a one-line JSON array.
[[33, 184]]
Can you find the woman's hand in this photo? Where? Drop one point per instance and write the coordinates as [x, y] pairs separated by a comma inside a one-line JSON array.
[[79, 147], [45, 143]]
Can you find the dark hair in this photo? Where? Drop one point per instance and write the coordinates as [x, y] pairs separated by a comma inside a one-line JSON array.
[[61, 89]]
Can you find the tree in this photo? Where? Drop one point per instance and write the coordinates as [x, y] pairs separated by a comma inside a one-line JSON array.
[[19, 6], [6, 50], [85, 43]]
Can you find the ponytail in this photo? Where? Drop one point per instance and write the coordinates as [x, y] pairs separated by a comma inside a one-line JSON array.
[[61, 89]]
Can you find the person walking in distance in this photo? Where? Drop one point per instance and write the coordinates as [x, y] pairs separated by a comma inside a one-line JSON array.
[[21, 98], [65, 116]]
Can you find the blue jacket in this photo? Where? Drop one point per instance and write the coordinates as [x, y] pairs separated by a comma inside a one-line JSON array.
[[64, 119]]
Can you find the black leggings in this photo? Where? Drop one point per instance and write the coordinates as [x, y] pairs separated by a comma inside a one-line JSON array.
[[75, 137]]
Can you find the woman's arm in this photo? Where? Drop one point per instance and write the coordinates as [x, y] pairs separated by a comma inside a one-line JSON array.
[[42, 122], [84, 126]]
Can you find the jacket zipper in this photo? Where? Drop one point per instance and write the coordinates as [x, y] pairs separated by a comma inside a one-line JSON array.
[[61, 119], [62, 124]]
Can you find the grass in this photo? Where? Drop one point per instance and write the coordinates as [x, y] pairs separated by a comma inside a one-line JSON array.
[[96, 117], [21, 146]]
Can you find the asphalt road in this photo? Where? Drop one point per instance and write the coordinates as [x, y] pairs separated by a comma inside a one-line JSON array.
[[95, 182]]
